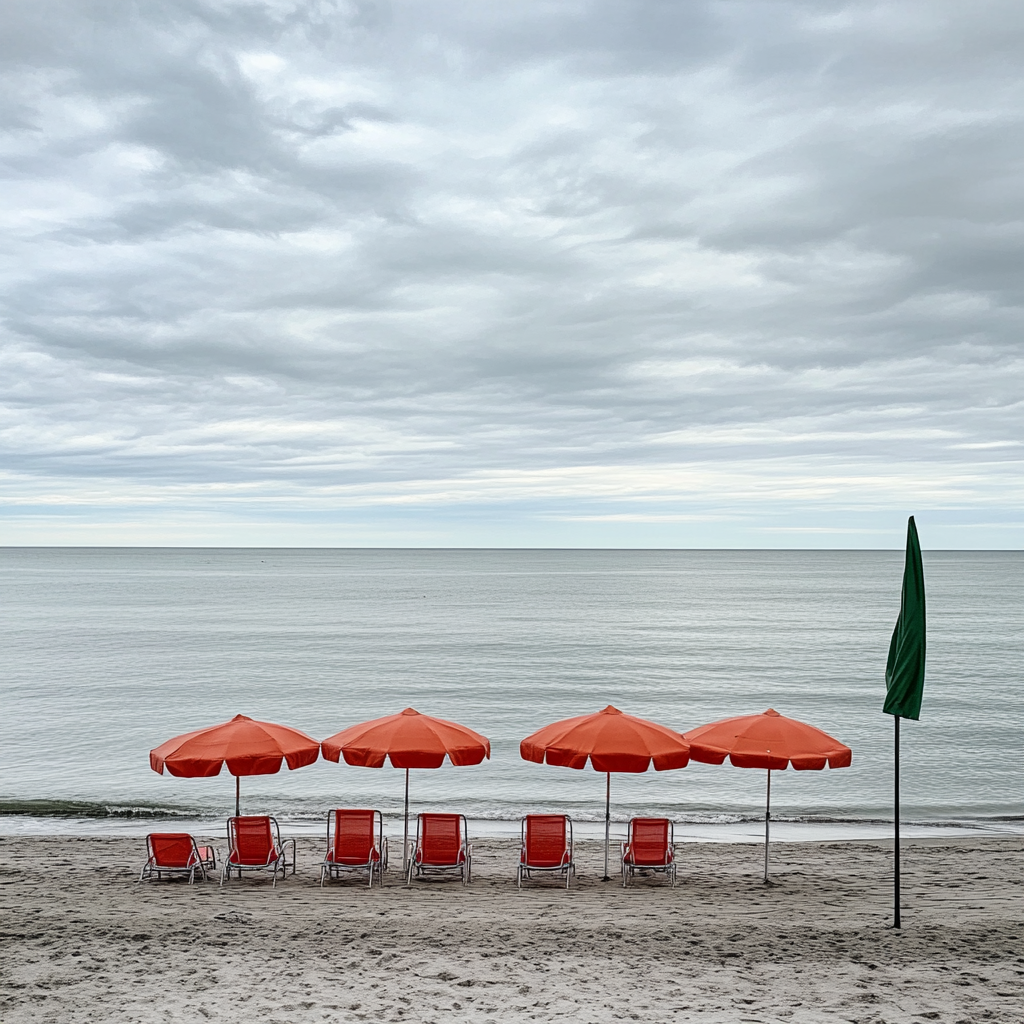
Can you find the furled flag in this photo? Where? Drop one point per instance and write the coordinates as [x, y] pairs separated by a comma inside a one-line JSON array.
[[904, 671]]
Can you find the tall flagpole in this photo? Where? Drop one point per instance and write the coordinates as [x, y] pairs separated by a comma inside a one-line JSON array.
[[896, 845]]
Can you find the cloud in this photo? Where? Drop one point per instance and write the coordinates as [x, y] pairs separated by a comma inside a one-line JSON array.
[[325, 255]]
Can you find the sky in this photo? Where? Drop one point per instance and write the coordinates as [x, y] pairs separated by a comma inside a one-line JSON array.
[[544, 273]]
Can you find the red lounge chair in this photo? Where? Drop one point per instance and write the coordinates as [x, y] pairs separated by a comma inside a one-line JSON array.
[[254, 844], [355, 842], [176, 853], [546, 846], [442, 844], [649, 847]]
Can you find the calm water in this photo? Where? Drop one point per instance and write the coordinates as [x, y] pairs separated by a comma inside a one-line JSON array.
[[105, 653]]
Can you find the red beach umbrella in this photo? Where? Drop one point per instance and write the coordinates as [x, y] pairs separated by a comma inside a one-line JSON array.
[[407, 740], [246, 746], [768, 741], [612, 742]]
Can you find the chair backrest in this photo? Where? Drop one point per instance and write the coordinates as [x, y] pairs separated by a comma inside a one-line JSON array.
[[251, 839], [440, 838], [353, 841], [171, 849], [649, 839], [545, 839]]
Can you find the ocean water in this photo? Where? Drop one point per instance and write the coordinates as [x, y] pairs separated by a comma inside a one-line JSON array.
[[105, 653]]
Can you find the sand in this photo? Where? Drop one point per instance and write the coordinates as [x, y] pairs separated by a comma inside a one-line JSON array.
[[83, 941]]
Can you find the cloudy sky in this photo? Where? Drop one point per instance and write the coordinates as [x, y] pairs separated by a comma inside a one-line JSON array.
[[550, 272]]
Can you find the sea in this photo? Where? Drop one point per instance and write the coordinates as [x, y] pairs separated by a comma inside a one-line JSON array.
[[107, 652]]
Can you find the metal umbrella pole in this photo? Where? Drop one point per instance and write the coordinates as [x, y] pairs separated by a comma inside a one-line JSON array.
[[767, 821], [405, 834], [238, 795], [896, 821], [607, 822]]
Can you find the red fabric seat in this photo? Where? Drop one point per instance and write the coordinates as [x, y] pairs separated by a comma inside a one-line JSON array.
[[546, 846], [649, 846], [254, 844], [442, 845], [355, 842], [176, 853]]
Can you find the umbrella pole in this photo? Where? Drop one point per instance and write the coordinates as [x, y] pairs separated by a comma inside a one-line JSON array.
[[238, 795], [607, 822], [767, 820], [405, 834], [896, 844]]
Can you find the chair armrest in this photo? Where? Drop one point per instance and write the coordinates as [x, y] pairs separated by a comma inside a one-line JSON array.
[[284, 853]]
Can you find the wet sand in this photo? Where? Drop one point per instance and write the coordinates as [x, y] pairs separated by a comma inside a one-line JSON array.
[[83, 941]]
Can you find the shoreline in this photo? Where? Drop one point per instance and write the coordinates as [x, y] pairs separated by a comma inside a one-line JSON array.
[[746, 831], [84, 941]]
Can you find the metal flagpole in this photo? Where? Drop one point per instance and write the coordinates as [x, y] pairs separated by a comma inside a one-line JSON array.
[[767, 819], [405, 835], [238, 795], [607, 822], [896, 845]]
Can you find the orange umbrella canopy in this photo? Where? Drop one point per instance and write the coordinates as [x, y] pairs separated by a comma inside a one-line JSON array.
[[408, 740], [768, 740], [611, 740], [246, 746]]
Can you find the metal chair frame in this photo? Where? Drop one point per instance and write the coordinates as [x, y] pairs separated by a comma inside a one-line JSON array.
[[332, 868], [464, 866], [668, 867], [525, 870], [197, 862], [278, 864]]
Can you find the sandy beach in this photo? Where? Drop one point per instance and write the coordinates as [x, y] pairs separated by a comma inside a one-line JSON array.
[[83, 941]]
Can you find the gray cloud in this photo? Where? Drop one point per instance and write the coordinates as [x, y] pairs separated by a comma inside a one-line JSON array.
[[571, 261]]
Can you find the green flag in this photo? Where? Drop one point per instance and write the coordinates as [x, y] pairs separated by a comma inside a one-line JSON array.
[[904, 671]]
